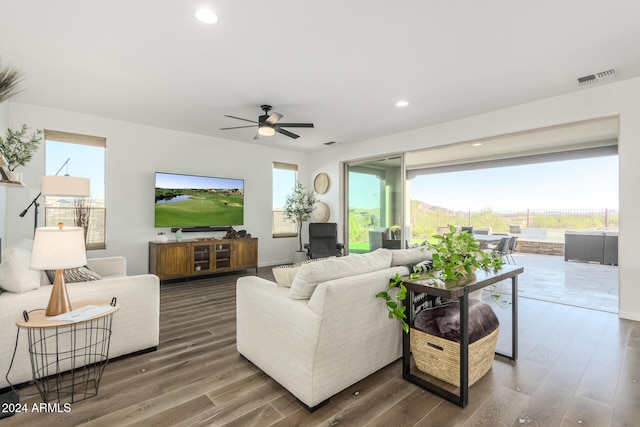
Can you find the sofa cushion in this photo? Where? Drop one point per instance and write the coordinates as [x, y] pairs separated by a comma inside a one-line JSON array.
[[74, 275], [310, 275], [15, 274], [284, 274], [28, 244], [409, 256]]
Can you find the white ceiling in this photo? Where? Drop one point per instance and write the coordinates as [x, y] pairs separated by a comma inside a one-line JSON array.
[[602, 132], [339, 64]]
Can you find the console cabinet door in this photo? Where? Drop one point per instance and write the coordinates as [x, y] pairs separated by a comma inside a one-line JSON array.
[[245, 253], [168, 260], [202, 258]]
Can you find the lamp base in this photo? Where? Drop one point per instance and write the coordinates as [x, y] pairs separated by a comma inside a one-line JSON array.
[[59, 301]]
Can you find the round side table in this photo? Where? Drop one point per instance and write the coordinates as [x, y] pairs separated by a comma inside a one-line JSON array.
[[68, 357]]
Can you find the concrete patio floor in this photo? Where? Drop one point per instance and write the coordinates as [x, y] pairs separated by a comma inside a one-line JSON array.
[[580, 284]]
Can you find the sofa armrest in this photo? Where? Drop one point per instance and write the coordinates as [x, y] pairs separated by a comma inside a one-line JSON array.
[[109, 266], [276, 333], [264, 309]]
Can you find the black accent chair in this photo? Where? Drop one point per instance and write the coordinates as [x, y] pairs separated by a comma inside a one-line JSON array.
[[323, 240]]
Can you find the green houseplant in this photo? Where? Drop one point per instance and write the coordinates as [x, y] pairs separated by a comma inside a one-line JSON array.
[[18, 146], [456, 255], [298, 207], [9, 80]]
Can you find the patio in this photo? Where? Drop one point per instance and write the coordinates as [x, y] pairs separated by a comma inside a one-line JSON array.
[[579, 284]]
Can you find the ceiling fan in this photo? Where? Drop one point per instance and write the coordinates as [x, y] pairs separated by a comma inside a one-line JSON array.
[[268, 124]]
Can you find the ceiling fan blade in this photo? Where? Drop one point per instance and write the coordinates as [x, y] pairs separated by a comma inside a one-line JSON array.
[[240, 118], [287, 133], [238, 127], [295, 125], [273, 118]]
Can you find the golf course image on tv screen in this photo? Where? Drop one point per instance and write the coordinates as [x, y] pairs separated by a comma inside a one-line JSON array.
[[198, 201]]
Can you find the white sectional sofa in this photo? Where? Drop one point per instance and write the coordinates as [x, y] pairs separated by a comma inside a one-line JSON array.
[[328, 330], [135, 326]]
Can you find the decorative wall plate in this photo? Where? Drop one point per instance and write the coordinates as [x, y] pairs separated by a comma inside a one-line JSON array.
[[321, 183], [321, 212]]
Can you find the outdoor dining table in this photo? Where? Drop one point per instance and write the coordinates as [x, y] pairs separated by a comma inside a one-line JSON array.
[[488, 239]]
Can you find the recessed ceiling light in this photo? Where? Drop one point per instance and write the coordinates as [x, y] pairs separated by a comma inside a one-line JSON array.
[[206, 16], [476, 144], [402, 103]]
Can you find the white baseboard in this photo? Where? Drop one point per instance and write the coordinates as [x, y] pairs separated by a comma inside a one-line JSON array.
[[629, 315]]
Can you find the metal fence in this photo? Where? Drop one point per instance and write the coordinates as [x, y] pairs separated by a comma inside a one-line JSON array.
[[282, 226], [96, 235], [538, 224], [567, 219]]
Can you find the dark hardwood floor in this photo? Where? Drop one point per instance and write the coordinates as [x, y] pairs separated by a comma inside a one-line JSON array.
[[576, 367]]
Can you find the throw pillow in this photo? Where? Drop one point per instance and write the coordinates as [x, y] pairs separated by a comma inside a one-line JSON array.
[[310, 275], [409, 256], [444, 321], [15, 274], [284, 274], [75, 275]]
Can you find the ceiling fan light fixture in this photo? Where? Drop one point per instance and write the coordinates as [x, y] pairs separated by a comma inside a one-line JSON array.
[[266, 130], [206, 16]]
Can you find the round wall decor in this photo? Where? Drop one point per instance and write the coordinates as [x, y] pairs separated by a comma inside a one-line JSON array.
[[321, 212], [321, 183]]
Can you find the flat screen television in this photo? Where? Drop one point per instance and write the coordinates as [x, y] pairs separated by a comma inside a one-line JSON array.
[[192, 201]]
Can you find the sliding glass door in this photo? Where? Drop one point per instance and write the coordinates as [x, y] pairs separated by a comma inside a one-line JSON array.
[[374, 204]]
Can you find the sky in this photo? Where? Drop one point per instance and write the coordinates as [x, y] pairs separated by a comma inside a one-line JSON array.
[[284, 182], [58, 152], [168, 180], [572, 184]]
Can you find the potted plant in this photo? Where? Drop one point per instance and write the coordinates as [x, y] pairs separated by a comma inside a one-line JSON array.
[[18, 146], [298, 207], [456, 255], [9, 79], [395, 231]]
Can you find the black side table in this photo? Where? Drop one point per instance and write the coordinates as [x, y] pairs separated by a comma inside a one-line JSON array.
[[461, 292]]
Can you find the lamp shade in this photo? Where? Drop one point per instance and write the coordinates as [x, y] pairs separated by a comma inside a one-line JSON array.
[[55, 248], [71, 186]]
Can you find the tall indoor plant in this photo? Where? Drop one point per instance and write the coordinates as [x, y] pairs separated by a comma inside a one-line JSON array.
[[298, 207], [456, 255]]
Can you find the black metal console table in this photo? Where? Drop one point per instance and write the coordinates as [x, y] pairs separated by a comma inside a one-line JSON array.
[[453, 290]]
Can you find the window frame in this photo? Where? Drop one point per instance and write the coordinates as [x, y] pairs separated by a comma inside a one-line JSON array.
[[288, 233], [90, 141]]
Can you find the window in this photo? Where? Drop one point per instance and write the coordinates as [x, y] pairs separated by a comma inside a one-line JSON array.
[[374, 201], [285, 176], [82, 156]]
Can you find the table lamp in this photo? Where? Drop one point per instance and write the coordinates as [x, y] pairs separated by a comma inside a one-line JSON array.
[[57, 248]]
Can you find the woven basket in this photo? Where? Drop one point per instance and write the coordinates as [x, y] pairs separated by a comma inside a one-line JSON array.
[[440, 357]]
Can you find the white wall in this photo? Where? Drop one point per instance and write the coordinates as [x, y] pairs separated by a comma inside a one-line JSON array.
[[4, 124], [134, 152], [621, 98]]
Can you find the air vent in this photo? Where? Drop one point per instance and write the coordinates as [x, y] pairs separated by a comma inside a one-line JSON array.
[[597, 77]]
